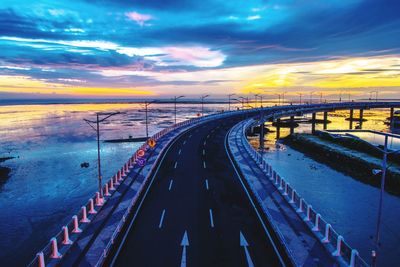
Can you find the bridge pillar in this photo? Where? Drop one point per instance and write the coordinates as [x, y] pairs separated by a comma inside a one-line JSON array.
[[351, 119], [313, 123], [325, 120], [361, 118], [291, 125], [261, 137], [278, 128], [391, 117]]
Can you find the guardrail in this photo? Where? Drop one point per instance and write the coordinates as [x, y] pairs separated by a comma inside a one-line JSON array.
[[87, 212], [319, 226]]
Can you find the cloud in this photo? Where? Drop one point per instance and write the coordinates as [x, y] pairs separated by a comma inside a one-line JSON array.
[[140, 19], [254, 17]]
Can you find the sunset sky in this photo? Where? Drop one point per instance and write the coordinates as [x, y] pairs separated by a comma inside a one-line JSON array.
[[157, 48]]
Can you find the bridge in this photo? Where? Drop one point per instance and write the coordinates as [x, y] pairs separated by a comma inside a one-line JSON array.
[[201, 195]]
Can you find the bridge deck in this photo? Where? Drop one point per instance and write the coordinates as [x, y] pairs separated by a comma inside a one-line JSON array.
[[196, 190]]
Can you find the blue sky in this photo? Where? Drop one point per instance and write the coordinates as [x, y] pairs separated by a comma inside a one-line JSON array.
[[161, 47]]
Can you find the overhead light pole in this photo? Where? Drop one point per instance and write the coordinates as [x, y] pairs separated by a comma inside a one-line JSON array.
[[311, 93], [97, 129], [146, 105], [243, 100], [229, 101], [175, 99], [255, 99], [279, 99], [202, 103], [382, 171], [283, 97], [300, 95]]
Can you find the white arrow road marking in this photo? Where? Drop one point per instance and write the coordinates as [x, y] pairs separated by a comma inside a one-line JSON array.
[[184, 244], [161, 219], [244, 244], [170, 185]]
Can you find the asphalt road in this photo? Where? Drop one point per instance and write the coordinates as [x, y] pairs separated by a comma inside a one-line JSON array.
[[196, 191]]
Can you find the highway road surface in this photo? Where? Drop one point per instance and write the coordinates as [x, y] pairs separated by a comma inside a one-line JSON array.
[[197, 212]]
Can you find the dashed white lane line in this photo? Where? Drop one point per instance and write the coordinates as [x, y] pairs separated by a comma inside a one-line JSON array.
[[205, 142], [176, 164], [204, 165], [204, 152], [208, 136], [190, 135], [206, 184], [161, 219], [211, 219], [170, 185], [180, 151], [184, 142]]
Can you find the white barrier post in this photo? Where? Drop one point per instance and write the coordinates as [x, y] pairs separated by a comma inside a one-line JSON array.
[[84, 215], [276, 178], [338, 251], [316, 223], [327, 229], [285, 193], [307, 218], [76, 225], [354, 254], [116, 182], [66, 240], [300, 209], [280, 184], [40, 256], [106, 193], [91, 207], [292, 199], [99, 200], [112, 184], [54, 249]]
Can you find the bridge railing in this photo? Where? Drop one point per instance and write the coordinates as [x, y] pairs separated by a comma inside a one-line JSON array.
[[317, 224]]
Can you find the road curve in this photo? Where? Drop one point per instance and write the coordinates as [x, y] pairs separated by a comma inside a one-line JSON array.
[[196, 211]]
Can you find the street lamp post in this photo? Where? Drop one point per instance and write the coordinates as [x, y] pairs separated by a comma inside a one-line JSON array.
[[243, 100], [202, 103], [255, 99], [175, 99], [229, 101], [382, 190], [97, 129], [146, 105], [279, 99], [300, 95], [283, 97], [311, 93]]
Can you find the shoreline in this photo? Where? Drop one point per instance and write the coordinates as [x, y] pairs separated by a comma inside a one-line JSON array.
[[358, 165]]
